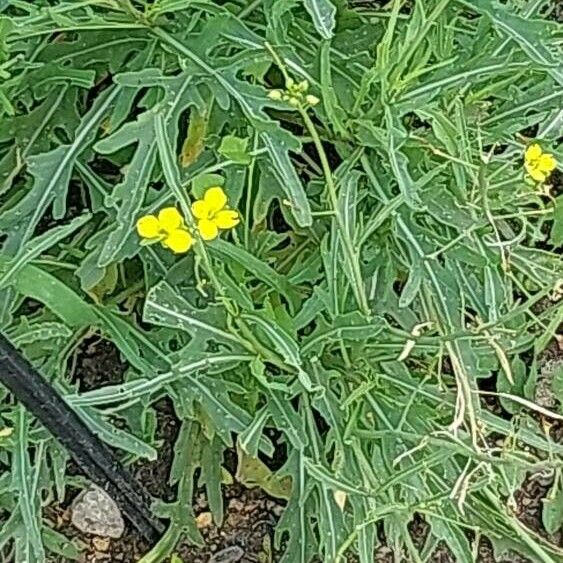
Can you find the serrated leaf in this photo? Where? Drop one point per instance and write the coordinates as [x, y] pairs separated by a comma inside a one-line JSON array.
[[251, 100], [529, 34], [52, 172], [252, 472], [291, 424], [179, 93], [257, 267], [399, 162], [226, 415], [211, 476]]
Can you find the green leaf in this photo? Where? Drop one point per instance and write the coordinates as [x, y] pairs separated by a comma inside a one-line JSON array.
[[28, 502], [556, 237], [211, 471], [249, 439], [228, 251], [235, 148], [39, 244], [165, 307], [59, 544], [251, 100], [225, 414], [552, 510], [252, 472], [115, 437], [179, 93], [36, 283], [396, 137], [323, 13], [52, 172], [289, 181], [290, 422], [529, 34]]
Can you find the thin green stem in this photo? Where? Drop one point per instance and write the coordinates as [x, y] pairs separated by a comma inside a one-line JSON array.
[[249, 9], [351, 255]]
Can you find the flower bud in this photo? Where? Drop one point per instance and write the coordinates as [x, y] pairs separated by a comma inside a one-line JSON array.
[[275, 95], [312, 100]]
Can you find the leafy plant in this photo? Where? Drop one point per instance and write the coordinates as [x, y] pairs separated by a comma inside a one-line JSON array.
[[393, 260]]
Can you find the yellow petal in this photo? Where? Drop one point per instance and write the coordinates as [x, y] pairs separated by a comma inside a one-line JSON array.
[[215, 198], [207, 229], [533, 152], [547, 163], [148, 226], [200, 209], [226, 219], [170, 219], [535, 173], [179, 241]]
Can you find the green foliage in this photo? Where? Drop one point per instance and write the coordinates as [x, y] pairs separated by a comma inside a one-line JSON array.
[[392, 260]]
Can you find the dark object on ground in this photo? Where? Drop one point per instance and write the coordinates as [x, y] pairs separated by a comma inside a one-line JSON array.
[[93, 457]]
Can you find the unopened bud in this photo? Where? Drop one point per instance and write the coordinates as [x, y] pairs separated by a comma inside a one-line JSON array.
[[275, 95], [303, 86], [312, 100], [293, 101]]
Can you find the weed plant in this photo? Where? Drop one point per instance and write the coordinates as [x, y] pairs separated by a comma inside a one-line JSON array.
[[357, 257]]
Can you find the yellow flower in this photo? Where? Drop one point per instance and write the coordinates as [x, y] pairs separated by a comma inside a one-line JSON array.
[[168, 228], [538, 164], [211, 213]]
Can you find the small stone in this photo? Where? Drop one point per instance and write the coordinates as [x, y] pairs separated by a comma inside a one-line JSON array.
[[100, 544], [204, 520], [95, 512], [228, 555], [236, 505]]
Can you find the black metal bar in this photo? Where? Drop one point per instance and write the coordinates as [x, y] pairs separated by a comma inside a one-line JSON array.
[[92, 455]]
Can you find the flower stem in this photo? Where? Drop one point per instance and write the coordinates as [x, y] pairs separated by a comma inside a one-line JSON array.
[[350, 254]]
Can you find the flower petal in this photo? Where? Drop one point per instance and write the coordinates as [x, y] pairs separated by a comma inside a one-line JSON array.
[[536, 173], [533, 152], [148, 226], [207, 229], [200, 209], [170, 219], [227, 219], [179, 241], [215, 198], [547, 163]]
